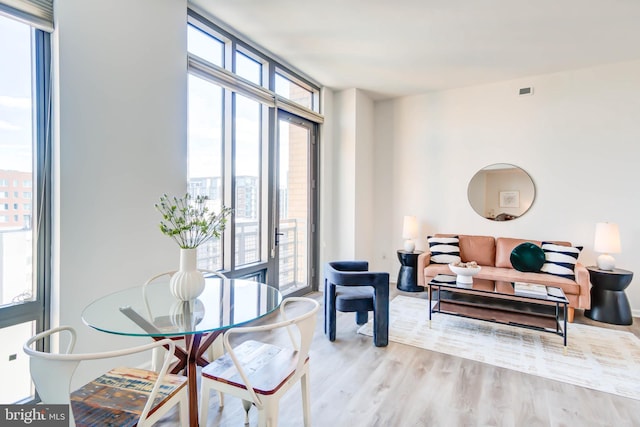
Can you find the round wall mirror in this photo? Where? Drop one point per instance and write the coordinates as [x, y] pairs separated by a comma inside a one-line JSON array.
[[501, 192]]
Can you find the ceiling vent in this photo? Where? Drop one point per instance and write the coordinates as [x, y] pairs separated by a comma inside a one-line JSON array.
[[524, 91]]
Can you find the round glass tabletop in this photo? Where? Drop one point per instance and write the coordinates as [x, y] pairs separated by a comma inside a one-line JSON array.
[[151, 310]]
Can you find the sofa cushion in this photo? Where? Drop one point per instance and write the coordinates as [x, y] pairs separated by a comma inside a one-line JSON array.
[[481, 249], [560, 260], [444, 250], [527, 256]]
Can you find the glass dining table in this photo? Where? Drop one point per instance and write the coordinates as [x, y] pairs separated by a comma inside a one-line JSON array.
[[152, 311]]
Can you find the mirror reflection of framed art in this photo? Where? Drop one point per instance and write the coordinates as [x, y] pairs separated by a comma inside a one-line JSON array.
[[509, 199]]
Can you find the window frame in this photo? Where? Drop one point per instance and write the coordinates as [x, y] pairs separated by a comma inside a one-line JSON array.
[[272, 65], [38, 310], [232, 85]]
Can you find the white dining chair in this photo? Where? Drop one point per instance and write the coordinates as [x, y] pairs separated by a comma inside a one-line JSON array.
[[214, 351], [122, 396], [260, 373]]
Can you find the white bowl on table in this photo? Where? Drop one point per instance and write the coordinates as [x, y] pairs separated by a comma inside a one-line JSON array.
[[464, 274]]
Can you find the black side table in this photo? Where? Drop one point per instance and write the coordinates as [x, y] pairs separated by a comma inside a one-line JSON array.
[[407, 277], [609, 303]]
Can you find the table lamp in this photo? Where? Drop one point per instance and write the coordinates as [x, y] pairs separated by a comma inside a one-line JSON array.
[[607, 241], [409, 232]]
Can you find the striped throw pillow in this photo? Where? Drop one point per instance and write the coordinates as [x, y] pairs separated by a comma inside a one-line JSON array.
[[560, 260], [444, 250]]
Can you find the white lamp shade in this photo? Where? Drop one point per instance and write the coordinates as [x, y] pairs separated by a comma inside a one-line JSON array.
[[607, 238], [410, 227]]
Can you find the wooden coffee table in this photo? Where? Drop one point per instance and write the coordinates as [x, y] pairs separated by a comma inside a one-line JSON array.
[[498, 302]]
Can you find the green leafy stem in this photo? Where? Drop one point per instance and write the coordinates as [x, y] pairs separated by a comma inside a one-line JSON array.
[[189, 221]]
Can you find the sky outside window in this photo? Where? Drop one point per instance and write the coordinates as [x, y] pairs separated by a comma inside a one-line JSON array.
[[205, 113], [206, 47], [15, 96], [248, 68], [205, 128]]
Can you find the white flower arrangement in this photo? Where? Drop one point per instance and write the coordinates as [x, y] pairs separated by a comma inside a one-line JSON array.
[[188, 220]]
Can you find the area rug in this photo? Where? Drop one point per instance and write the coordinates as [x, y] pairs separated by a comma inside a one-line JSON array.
[[597, 358]]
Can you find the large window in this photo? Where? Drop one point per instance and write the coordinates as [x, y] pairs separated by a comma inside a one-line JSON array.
[[24, 189], [235, 93], [205, 157], [247, 179]]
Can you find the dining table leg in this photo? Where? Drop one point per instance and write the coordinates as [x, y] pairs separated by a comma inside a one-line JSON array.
[[193, 344], [195, 347]]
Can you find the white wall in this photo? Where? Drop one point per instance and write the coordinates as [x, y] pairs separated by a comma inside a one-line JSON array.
[[347, 177], [365, 171], [338, 178], [121, 143], [577, 136]]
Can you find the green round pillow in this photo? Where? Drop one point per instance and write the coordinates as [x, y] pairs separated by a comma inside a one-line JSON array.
[[527, 257]]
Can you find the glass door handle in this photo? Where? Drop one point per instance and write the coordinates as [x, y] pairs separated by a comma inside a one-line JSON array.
[[277, 236]]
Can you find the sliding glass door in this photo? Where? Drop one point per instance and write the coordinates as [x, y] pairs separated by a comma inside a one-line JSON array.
[[296, 203]]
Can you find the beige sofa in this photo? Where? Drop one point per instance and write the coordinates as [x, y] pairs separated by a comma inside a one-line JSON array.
[[493, 254]]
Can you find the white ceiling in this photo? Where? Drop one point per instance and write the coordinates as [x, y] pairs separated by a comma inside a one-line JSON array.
[[400, 47]]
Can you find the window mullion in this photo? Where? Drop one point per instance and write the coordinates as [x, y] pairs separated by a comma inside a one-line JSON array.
[[42, 175], [229, 80], [227, 173]]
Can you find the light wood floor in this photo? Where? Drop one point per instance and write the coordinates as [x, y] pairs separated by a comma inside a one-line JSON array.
[[354, 384]]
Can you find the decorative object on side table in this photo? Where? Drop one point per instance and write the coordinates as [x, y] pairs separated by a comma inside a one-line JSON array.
[[189, 221], [609, 303], [409, 232], [607, 241], [465, 271], [408, 276]]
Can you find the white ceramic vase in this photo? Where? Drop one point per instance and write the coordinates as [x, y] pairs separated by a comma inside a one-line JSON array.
[[187, 283]]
